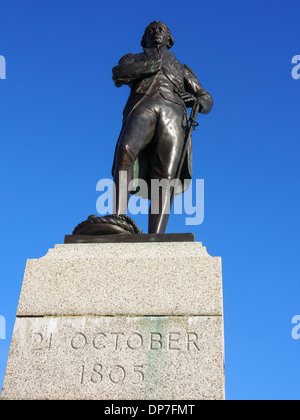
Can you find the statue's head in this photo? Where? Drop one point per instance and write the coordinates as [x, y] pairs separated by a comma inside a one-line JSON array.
[[157, 34]]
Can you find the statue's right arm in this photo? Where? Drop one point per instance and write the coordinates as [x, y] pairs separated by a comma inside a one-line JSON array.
[[129, 70]]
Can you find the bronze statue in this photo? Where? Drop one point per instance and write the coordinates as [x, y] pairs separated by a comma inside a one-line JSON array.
[[155, 140], [155, 123]]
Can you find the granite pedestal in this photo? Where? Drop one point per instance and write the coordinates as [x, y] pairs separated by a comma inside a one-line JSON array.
[[120, 321]]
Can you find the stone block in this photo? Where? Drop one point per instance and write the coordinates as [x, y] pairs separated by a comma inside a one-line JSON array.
[[116, 358], [128, 321], [123, 279]]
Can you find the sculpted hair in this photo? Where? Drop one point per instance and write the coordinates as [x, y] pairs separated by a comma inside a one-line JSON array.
[[171, 39]]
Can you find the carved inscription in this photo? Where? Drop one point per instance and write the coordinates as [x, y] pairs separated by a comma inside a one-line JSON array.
[[118, 341], [116, 374], [40, 342], [172, 341], [102, 370]]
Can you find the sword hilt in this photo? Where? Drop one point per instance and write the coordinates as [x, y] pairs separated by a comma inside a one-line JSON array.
[[194, 113]]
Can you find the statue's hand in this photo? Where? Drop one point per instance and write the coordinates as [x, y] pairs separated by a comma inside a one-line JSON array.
[[188, 98], [127, 72]]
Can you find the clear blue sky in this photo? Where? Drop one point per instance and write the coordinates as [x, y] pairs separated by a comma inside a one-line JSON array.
[[60, 116]]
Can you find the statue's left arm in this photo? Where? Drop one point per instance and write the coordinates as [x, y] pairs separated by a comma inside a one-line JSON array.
[[193, 86]]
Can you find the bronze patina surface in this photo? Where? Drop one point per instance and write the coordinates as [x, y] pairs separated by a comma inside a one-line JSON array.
[[155, 137], [154, 146], [129, 238]]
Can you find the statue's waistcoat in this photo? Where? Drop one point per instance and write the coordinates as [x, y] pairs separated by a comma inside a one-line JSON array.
[[172, 71], [171, 68]]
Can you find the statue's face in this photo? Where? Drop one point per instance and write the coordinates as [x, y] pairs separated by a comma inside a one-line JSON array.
[[157, 35]]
